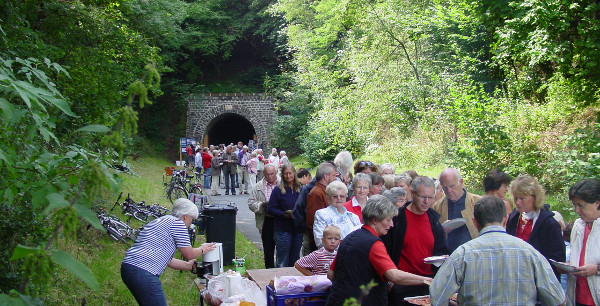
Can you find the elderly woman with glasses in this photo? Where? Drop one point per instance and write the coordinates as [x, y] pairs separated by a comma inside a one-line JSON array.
[[153, 251], [362, 258], [335, 214], [397, 195], [361, 184], [583, 285], [533, 222]]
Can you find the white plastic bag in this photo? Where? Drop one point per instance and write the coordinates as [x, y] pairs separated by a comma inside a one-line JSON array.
[[230, 287]]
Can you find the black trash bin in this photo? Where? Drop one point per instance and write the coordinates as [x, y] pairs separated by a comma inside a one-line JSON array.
[[220, 227]]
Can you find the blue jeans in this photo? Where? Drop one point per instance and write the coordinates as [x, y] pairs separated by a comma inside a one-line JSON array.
[[145, 286], [207, 178], [287, 248], [229, 178]]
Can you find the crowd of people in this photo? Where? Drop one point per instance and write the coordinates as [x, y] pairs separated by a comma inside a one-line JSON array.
[[232, 166], [359, 222], [367, 226]]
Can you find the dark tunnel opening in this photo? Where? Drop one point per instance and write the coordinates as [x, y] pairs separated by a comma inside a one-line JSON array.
[[230, 128]]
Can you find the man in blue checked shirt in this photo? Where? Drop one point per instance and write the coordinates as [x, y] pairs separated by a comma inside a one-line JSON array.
[[495, 268]]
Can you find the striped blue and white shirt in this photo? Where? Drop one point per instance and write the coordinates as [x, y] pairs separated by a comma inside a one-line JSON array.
[[156, 244]]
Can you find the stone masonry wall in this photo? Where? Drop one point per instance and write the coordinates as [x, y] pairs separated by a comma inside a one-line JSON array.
[[256, 108]]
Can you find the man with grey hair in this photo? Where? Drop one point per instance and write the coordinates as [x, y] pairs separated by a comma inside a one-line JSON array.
[[362, 258], [416, 234], [317, 199], [458, 203], [257, 202], [229, 160], [495, 268]]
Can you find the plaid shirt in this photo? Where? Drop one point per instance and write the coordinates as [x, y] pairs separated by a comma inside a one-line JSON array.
[[269, 189], [496, 269]]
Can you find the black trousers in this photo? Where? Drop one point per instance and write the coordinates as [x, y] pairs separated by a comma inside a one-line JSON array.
[[268, 241]]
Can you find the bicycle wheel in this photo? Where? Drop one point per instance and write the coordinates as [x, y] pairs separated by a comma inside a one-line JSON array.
[[115, 234], [122, 228], [140, 215], [195, 189], [177, 192]]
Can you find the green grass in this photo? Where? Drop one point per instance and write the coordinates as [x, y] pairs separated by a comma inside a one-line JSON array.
[[103, 255]]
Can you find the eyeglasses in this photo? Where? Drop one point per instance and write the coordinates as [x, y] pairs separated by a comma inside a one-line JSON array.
[[424, 198], [580, 206], [339, 196], [366, 163]]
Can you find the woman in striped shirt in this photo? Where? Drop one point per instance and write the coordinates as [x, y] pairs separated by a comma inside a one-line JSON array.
[[153, 250]]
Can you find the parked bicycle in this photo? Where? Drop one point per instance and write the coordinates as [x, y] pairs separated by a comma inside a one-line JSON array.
[[133, 209], [115, 228], [155, 209], [181, 185]]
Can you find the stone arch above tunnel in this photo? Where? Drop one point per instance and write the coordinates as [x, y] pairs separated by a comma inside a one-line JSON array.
[[206, 111]]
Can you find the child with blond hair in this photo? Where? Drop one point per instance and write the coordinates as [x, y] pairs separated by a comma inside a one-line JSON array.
[[317, 262]]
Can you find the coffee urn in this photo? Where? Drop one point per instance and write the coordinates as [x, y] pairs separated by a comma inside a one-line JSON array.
[[214, 259]]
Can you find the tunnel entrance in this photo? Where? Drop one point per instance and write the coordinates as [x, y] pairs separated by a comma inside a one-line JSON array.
[[229, 128]]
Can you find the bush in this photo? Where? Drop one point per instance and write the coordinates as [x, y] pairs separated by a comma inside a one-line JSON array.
[[421, 150], [18, 225], [577, 158]]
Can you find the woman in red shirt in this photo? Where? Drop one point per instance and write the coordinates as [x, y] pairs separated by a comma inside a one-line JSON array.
[[583, 285]]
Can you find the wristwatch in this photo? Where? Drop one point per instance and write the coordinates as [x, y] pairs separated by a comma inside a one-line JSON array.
[[598, 269]]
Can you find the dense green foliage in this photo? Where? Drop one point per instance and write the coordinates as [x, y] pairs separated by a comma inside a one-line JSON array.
[[473, 84], [93, 42], [56, 146], [48, 186]]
